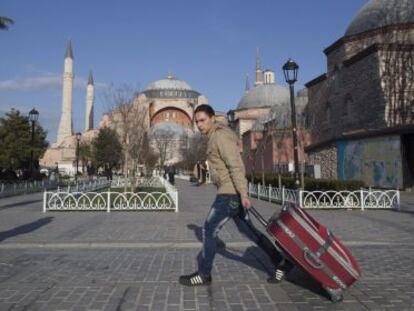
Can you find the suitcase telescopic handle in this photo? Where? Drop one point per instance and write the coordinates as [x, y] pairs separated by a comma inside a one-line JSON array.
[[257, 215]]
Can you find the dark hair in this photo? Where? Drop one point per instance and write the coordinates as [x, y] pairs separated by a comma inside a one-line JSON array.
[[207, 109]]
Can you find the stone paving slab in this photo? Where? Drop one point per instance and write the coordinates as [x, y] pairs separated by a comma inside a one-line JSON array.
[[132, 260], [129, 279]]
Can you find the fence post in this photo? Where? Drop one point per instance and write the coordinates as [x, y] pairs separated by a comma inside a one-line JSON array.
[[300, 199], [258, 191], [44, 201], [362, 199], [270, 193], [108, 203], [248, 189], [398, 199], [283, 195]]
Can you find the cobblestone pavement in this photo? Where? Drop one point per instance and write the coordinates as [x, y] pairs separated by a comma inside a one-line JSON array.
[[132, 260]]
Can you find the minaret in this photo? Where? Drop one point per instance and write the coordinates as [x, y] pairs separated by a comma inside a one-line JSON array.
[[90, 90], [259, 73], [65, 126], [247, 86]]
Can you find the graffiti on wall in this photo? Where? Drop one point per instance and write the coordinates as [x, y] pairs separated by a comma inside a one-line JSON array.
[[376, 161]]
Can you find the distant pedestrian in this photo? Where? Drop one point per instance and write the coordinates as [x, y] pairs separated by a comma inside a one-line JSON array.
[[171, 174]]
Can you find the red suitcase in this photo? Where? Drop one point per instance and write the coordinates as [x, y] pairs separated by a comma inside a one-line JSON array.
[[314, 248]]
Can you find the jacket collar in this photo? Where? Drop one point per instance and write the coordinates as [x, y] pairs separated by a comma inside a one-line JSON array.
[[212, 129]]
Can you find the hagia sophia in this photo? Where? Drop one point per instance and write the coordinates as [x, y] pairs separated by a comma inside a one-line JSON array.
[[355, 122]]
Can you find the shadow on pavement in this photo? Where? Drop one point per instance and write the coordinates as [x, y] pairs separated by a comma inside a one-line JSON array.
[[297, 276], [249, 257], [19, 204], [411, 212], [302, 279], [23, 229]]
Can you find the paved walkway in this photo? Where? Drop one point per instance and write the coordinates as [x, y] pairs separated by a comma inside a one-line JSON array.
[[132, 260]]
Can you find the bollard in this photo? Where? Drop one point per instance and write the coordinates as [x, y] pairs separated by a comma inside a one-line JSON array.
[[270, 193], [44, 201], [108, 203], [362, 199], [176, 201]]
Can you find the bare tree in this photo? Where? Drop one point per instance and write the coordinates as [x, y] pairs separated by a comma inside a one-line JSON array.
[[163, 142], [194, 149], [397, 68], [147, 156], [129, 120]]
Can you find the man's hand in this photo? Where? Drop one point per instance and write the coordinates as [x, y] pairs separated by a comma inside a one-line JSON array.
[[245, 201]]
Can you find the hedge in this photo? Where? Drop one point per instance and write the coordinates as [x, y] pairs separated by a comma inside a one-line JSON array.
[[311, 184]]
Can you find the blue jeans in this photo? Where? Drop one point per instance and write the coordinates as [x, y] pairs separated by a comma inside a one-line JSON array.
[[224, 208]]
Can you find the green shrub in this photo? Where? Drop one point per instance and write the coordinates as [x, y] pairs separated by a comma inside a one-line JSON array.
[[310, 183]]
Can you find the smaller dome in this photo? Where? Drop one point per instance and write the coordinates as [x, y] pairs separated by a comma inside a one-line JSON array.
[[169, 83], [265, 95], [380, 13]]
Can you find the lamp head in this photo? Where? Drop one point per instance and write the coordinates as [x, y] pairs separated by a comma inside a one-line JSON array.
[[290, 69]]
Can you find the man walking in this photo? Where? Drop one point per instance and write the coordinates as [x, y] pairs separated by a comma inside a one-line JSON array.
[[227, 172]]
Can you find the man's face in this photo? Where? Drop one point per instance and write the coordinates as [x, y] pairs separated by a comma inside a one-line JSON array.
[[204, 122]]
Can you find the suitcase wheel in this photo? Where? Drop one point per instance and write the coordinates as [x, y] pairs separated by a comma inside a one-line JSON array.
[[335, 294]]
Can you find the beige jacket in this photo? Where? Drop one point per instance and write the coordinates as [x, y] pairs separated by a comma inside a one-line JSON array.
[[227, 170]]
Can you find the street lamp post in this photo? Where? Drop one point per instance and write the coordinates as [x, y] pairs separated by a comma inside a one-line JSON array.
[[290, 69], [33, 117], [78, 137]]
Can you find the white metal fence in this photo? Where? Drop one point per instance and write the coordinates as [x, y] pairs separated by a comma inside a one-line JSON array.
[[11, 189], [360, 199], [115, 200]]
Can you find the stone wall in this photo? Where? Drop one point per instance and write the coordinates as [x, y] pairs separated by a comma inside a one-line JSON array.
[[327, 159], [348, 100], [354, 45]]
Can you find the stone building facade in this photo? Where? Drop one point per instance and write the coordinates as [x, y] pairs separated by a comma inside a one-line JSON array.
[[271, 150], [165, 111], [262, 120], [365, 100]]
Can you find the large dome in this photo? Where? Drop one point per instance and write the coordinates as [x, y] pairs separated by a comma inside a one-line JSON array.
[[264, 95], [169, 83], [170, 87], [379, 13]]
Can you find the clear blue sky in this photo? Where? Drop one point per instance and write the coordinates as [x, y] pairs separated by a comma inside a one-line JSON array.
[[210, 44]]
